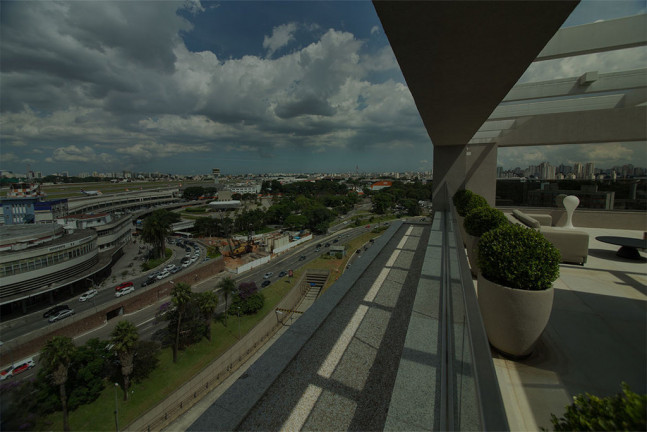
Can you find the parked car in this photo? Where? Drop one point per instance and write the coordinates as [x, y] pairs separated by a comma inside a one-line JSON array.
[[147, 282], [125, 291], [124, 285], [175, 270], [169, 267], [268, 275], [88, 295], [22, 366], [163, 275], [265, 283], [54, 310], [61, 314]]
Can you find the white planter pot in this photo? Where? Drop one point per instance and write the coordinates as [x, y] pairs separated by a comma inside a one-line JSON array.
[[461, 228], [472, 253], [514, 319]]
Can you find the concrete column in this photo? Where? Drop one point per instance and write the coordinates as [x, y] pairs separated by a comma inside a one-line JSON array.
[[480, 175], [471, 167]]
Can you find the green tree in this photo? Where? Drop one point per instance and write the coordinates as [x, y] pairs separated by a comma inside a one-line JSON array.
[[56, 357], [180, 296], [193, 192], [296, 221], [382, 202], [124, 339], [228, 287], [156, 227], [207, 302]]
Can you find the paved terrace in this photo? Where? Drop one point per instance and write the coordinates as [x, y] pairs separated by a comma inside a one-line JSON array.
[[364, 356]]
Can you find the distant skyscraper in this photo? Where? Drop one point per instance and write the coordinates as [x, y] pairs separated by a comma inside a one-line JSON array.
[[578, 170], [589, 171]]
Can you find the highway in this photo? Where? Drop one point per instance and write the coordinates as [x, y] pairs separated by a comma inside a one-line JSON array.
[[145, 318]]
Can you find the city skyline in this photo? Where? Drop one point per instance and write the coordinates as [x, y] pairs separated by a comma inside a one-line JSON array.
[[250, 86]]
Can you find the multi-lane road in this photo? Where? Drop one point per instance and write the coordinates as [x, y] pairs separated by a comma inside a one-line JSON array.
[[145, 318]]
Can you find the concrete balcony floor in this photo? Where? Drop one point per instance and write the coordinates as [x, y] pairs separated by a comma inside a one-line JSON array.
[[595, 339]]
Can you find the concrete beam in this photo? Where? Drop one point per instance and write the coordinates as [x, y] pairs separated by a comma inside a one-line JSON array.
[[459, 59], [583, 127], [615, 81], [597, 37]]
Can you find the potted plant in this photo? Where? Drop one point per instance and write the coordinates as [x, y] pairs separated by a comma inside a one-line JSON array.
[[477, 222], [515, 286], [465, 200]]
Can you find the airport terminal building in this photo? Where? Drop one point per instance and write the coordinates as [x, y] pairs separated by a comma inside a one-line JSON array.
[[38, 259]]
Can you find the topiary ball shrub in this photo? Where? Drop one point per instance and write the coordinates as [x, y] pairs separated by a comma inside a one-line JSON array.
[[624, 411], [483, 219], [473, 202], [460, 198], [518, 257]]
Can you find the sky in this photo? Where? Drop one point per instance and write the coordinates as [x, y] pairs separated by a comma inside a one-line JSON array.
[[243, 86]]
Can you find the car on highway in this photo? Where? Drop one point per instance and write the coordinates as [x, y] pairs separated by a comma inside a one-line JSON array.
[[124, 285], [125, 291], [327, 245], [175, 270], [283, 273], [55, 310], [169, 267], [162, 275], [335, 241], [358, 251], [265, 283], [318, 245], [268, 275], [302, 257], [317, 250], [88, 295], [61, 314], [22, 366], [6, 373]]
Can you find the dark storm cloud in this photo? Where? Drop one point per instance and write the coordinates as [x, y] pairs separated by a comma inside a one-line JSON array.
[[309, 105]]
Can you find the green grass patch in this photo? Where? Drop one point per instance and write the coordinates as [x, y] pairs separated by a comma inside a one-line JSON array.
[[151, 264], [164, 380]]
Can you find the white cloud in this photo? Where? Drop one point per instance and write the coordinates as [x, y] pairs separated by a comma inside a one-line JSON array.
[[85, 154], [375, 30], [281, 36]]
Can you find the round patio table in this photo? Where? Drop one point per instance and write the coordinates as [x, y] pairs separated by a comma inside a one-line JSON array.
[[629, 246]]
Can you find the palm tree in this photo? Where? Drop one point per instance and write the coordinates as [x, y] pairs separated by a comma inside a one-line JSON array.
[[124, 339], [180, 296], [228, 287], [56, 357], [156, 227], [207, 302]]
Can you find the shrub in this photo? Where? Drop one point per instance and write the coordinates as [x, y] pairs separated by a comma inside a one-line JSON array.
[[518, 257], [483, 219], [247, 306], [474, 202], [624, 411], [460, 198]]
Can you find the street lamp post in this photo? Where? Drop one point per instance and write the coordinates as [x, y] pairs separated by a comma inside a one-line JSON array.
[[116, 410]]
